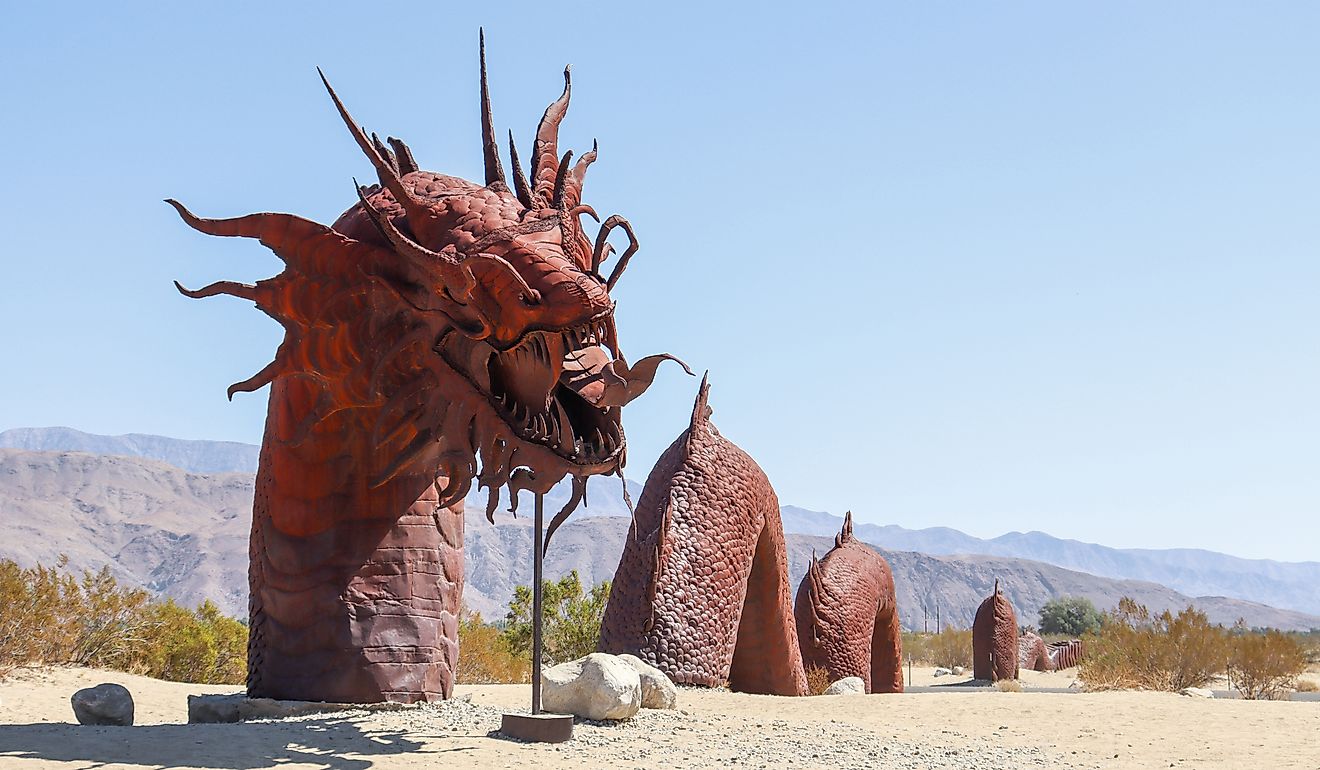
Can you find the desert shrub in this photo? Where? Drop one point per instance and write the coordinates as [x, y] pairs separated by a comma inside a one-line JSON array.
[[1069, 616], [484, 656], [1306, 685], [1008, 685], [914, 646], [1264, 666], [950, 647], [1135, 650], [571, 624], [818, 680], [48, 616], [200, 646]]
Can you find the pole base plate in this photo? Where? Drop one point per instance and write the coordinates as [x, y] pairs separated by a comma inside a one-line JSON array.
[[538, 728]]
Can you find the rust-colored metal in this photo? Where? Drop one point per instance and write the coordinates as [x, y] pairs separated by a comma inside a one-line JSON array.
[[1067, 654], [995, 639], [702, 591], [440, 333], [1033, 654], [847, 615]]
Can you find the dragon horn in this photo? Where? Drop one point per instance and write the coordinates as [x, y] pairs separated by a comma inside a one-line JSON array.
[[389, 177], [545, 150], [521, 187], [491, 152]]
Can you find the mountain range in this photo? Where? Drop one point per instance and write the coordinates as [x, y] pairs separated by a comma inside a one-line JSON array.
[[184, 534]]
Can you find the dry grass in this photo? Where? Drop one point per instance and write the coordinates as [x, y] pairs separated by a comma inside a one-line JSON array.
[[1265, 666], [951, 647], [818, 680], [49, 616], [1135, 651], [485, 657], [1008, 685], [1306, 685]]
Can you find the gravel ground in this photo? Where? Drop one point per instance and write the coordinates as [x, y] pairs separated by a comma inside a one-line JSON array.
[[654, 738]]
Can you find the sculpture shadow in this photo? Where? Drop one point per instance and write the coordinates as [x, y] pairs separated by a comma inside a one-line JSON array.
[[333, 743]]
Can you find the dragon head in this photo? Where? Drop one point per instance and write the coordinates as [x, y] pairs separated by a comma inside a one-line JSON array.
[[468, 329]]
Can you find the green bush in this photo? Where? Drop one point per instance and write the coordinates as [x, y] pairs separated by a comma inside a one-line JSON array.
[[48, 616], [1070, 616], [571, 624]]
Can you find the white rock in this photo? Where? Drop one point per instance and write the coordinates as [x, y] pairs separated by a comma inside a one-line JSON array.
[[849, 685], [942, 672], [599, 686], [958, 671], [658, 692], [1196, 692], [104, 704]]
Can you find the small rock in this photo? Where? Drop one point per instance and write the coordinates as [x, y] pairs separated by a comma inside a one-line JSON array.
[[599, 686], [1196, 692], [104, 704], [942, 672], [849, 685], [658, 691], [958, 671]]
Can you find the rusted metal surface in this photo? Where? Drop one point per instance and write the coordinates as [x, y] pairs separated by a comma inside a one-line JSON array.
[[995, 639], [701, 591], [1033, 654], [440, 333], [847, 615]]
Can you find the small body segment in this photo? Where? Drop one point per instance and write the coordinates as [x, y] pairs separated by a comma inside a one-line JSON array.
[[995, 639]]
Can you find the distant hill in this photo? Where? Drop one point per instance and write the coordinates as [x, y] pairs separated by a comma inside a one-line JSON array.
[[1295, 585], [185, 535], [1290, 585], [195, 456]]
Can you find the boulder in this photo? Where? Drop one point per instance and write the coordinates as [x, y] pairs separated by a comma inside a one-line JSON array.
[[658, 692], [849, 685], [958, 671], [942, 672], [1196, 692], [104, 704], [599, 686], [213, 709]]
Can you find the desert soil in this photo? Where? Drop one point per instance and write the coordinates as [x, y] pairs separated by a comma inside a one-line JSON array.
[[965, 728]]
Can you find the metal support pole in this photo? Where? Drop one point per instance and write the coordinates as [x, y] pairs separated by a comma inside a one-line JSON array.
[[537, 558]]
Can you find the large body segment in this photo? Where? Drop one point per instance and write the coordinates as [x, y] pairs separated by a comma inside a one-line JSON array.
[[701, 590]]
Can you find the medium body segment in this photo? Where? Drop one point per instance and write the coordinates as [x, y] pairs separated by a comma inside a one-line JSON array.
[[847, 615], [701, 591]]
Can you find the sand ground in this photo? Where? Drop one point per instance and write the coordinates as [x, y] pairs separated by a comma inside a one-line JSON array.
[[963, 728]]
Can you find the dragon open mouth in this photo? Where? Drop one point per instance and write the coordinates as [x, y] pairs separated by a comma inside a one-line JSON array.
[[550, 389], [560, 389]]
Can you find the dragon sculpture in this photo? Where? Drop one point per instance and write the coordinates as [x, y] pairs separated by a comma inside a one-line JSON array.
[[1033, 653], [995, 639], [701, 591], [847, 615], [440, 332]]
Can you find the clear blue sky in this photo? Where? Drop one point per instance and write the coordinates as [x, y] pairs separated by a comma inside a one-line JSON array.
[[996, 266]]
